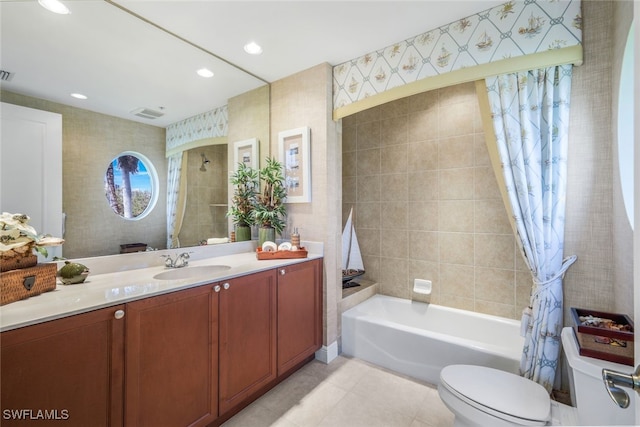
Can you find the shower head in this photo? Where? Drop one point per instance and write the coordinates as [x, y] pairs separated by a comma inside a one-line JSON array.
[[205, 162]]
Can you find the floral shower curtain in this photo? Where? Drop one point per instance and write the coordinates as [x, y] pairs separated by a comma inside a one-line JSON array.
[[176, 197], [530, 112]]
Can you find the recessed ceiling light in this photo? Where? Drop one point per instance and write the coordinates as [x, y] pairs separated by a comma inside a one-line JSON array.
[[79, 96], [253, 48], [54, 6], [204, 72]]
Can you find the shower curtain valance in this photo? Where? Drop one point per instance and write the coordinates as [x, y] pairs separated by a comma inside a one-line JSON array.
[[205, 128], [515, 36]]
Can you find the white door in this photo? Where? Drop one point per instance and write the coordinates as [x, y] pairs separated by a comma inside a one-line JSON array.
[[31, 168]]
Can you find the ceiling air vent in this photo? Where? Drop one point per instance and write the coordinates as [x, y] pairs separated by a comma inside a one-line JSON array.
[[147, 113], [5, 75]]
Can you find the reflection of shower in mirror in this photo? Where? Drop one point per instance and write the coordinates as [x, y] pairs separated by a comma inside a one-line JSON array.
[[205, 162]]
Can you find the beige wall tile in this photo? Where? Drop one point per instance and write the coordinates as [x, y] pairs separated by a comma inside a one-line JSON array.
[[495, 285], [456, 184], [367, 215], [349, 189], [456, 215], [456, 152], [393, 131], [496, 309], [490, 216], [495, 250], [369, 241], [456, 248], [456, 119], [368, 188], [423, 215], [395, 243], [425, 270], [349, 139], [394, 216], [394, 159], [457, 279], [424, 101], [424, 246], [368, 135], [368, 162], [394, 187], [422, 155], [350, 164], [423, 186], [423, 125], [485, 184]]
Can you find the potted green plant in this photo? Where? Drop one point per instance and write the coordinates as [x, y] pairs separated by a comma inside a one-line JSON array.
[[246, 183], [269, 211]]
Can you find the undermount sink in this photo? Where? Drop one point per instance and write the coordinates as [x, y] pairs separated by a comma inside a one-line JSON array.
[[191, 272]]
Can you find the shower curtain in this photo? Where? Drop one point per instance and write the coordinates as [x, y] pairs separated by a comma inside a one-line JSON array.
[[176, 197], [530, 113]]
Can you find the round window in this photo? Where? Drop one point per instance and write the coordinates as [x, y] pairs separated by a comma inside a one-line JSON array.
[[131, 185]]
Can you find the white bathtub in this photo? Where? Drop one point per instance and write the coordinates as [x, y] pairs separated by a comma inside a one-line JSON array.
[[419, 339]]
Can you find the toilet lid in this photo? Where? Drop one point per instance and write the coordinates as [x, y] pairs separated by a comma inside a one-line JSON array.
[[498, 392]]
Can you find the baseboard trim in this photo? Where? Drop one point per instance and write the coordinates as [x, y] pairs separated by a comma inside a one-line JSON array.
[[327, 354]]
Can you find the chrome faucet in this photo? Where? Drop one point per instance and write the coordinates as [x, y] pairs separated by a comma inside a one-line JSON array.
[[181, 260]]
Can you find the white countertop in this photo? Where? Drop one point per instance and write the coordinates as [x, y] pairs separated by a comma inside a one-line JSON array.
[[109, 288]]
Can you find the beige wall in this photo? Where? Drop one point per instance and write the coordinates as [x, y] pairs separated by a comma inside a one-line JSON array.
[[89, 142], [589, 219], [205, 214], [622, 232], [304, 99], [426, 202]]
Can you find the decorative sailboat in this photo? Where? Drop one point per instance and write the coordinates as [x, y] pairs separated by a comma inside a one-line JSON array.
[[352, 265]]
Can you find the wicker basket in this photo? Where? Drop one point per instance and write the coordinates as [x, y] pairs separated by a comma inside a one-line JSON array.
[[7, 264], [23, 283]]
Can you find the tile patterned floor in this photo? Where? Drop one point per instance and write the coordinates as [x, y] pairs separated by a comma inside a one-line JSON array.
[[346, 393]]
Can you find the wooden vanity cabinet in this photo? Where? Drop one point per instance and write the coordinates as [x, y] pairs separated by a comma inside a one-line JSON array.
[[247, 333], [171, 376], [192, 357], [67, 371], [299, 313]]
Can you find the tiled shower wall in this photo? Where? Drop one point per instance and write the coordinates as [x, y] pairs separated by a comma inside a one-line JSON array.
[[205, 214], [426, 203]]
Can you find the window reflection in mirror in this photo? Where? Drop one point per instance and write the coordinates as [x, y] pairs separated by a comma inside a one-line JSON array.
[[131, 185]]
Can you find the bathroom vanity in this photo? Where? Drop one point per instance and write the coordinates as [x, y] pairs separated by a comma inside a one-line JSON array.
[[189, 351]]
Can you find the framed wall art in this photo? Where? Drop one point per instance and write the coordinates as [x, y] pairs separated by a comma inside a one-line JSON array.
[[246, 152], [295, 156]]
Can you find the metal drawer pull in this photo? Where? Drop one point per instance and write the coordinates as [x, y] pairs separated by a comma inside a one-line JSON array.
[[226, 286], [216, 288], [119, 314]]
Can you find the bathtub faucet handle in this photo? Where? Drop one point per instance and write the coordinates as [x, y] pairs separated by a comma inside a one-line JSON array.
[[613, 380]]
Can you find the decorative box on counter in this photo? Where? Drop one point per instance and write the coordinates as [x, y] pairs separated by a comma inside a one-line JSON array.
[[23, 283], [605, 336]]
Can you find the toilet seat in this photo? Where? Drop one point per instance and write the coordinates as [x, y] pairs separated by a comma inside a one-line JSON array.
[[501, 394]]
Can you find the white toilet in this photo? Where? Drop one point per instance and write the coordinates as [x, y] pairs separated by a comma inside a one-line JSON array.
[[481, 396]]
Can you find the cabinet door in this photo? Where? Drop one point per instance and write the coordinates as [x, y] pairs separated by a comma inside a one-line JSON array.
[[299, 313], [247, 337], [69, 369], [171, 359]]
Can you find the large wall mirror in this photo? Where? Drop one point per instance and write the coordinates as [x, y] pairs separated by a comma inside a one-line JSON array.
[[53, 56]]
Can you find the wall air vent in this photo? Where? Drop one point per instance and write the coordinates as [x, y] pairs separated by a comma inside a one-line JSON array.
[[6, 76], [147, 113]]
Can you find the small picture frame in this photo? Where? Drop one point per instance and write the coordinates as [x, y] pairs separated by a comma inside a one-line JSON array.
[[246, 152], [295, 156]]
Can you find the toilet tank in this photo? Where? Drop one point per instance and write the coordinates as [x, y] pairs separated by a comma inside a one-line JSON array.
[[594, 406]]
